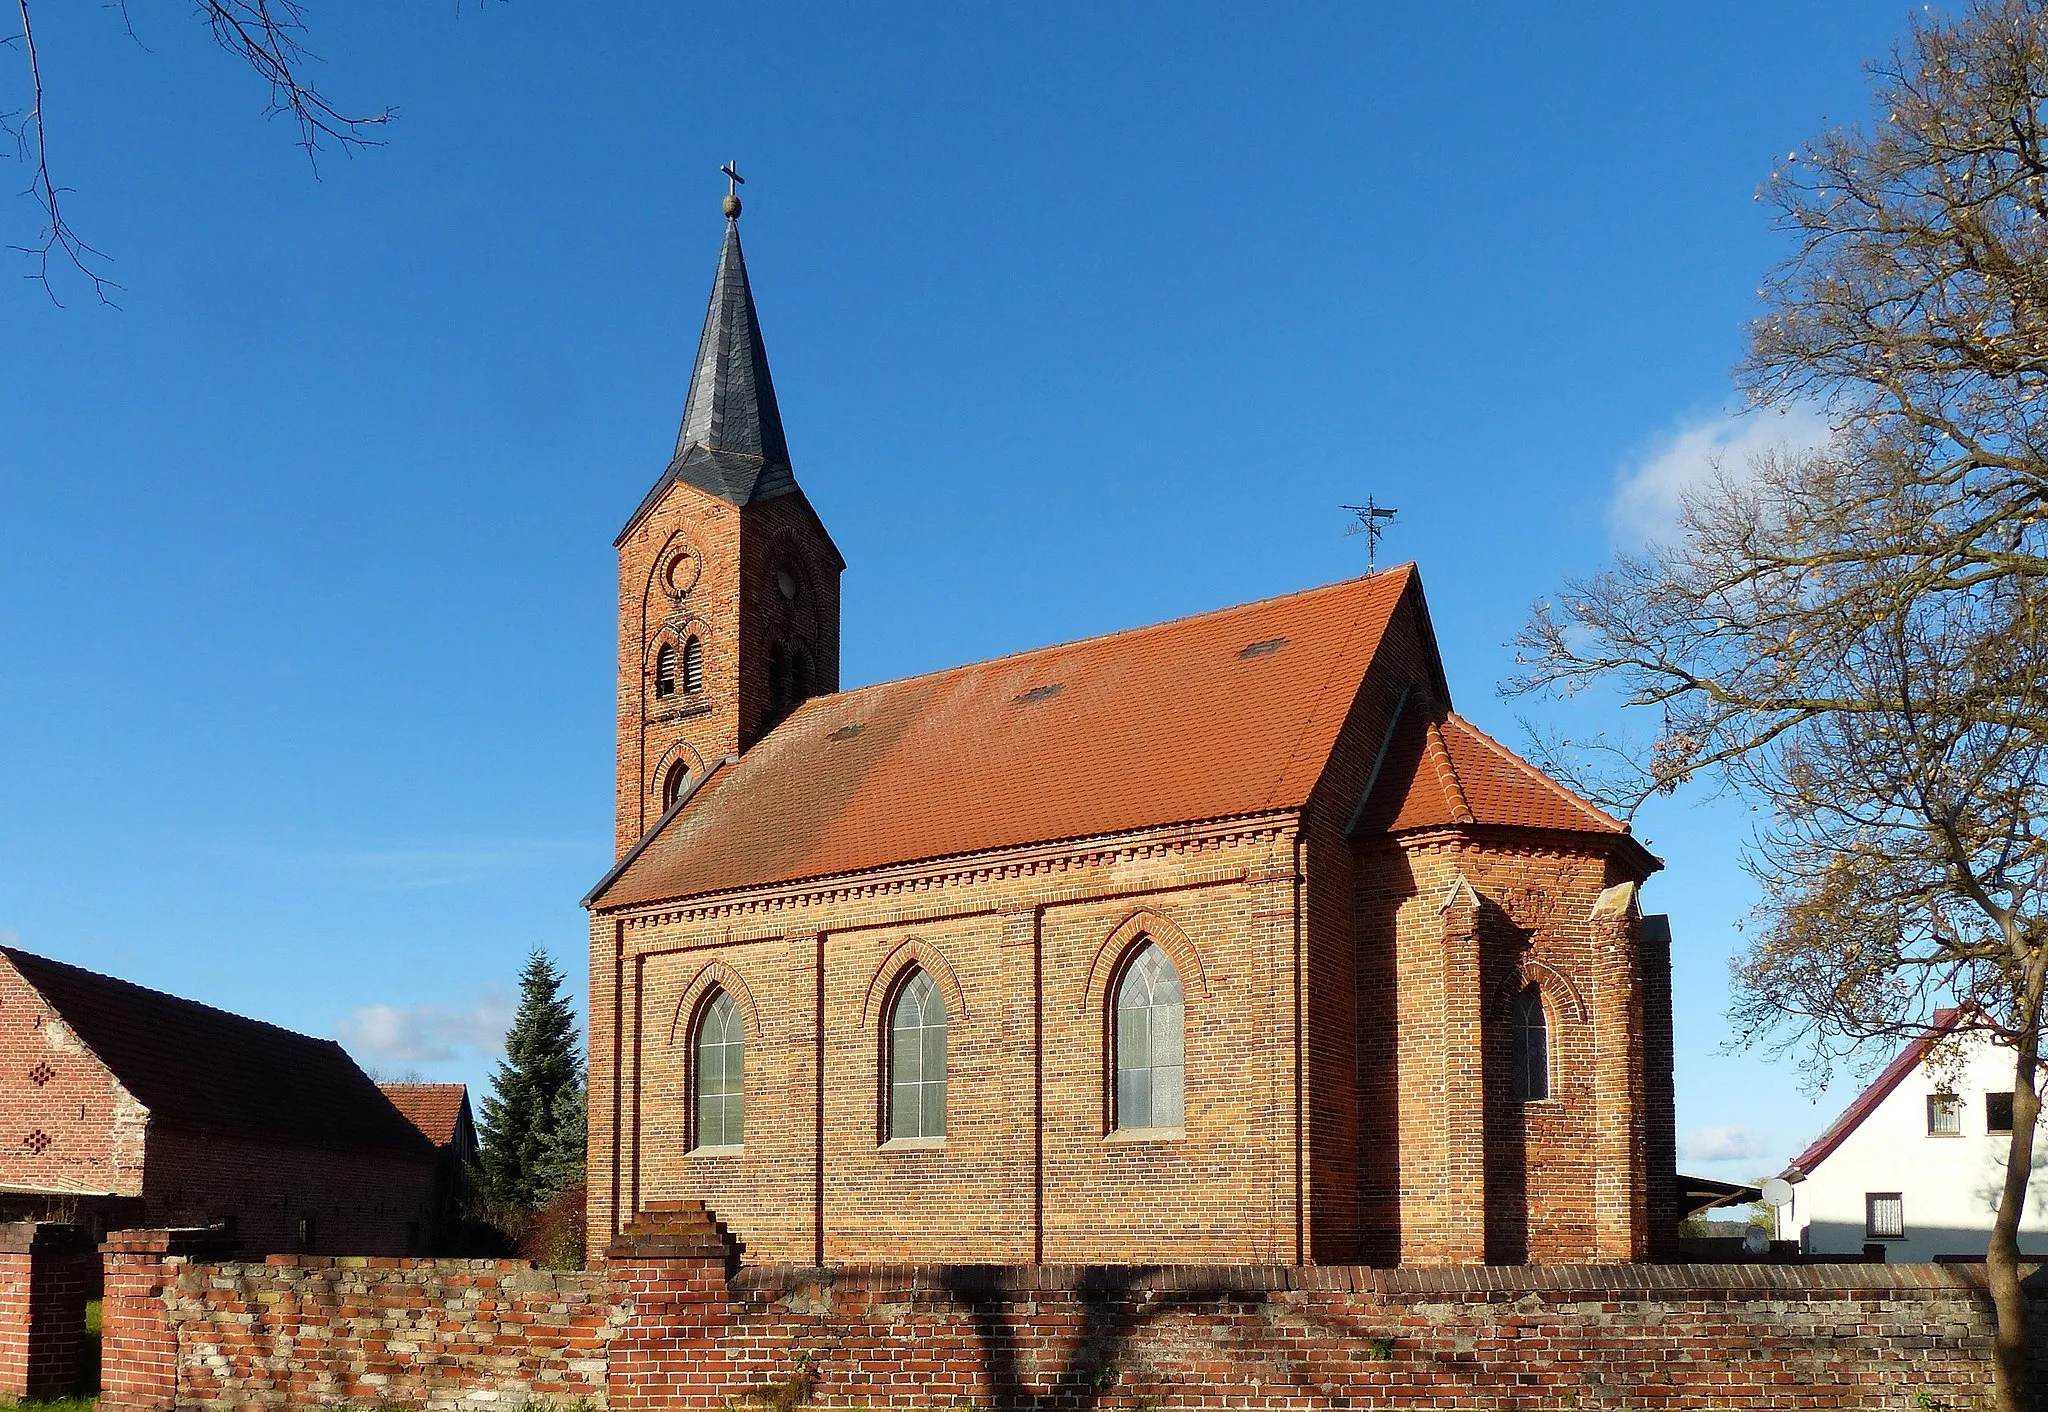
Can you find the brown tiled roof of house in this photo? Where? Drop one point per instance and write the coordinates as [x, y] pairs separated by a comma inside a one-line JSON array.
[[1880, 1088], [1441, 771], [200, 1069], [435, 1109], [1227, 714]]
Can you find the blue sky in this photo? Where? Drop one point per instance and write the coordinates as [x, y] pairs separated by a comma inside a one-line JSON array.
[[1080, 318]]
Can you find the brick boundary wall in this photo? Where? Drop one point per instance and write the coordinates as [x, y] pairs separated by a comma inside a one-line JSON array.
[[668, 1323], [47, 1273]]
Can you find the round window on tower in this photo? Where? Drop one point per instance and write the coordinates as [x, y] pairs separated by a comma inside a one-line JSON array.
[[680, 574]]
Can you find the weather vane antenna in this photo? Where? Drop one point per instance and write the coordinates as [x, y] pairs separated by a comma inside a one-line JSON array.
[[734, 181], [1373, 518]]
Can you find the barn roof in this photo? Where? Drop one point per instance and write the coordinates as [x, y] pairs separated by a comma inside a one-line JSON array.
[[201, 1069], [1228, 714], [435, 1109]]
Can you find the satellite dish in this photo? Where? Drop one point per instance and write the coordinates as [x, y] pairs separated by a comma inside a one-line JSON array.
[[1756, 1241], [1777, 1192]]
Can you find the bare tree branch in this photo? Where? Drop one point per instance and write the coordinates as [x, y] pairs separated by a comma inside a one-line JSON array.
[[267, 35]]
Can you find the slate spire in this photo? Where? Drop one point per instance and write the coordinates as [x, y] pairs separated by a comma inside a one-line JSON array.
[[731, 443], [731, 407]]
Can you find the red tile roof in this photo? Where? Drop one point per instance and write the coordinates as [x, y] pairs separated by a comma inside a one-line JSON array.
[[1441, 770], [435, 1109], [201, 1069], [1227, 714], [1893, 1074]]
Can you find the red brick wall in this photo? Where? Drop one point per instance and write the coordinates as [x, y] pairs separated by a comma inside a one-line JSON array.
[[65, 1124], [677, 1333], [360, 1203], [47, 1273]]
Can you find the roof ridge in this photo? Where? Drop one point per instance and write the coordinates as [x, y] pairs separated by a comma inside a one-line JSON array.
[[16, 954], [1406, 570], [1578, 802], [1447, 774]]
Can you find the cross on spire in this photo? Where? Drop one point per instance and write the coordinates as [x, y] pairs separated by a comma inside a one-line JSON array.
[[734, 181]]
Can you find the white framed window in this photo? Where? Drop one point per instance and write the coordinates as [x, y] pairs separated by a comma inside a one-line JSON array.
[[1998, 1113], [720, 1074], [917, 1061], [1944, 1115], [1150, 1044], [1884, 1215]]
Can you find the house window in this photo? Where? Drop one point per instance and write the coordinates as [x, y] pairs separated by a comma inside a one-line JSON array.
[[305, 1232], [1150, 1074], [721, 1074], [1944, 1115], [1884, 1215], [917, 1061], [1532, 1047], [665, 671], [693, 665], [1997, 1112]]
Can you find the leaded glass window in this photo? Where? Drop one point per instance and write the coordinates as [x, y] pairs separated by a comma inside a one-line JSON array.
[[917, 1060], [1150, 1053], [721, 1074], [1532, 1047]]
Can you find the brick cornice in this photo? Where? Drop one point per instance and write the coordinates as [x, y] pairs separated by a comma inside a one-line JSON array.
[[1047, 861]]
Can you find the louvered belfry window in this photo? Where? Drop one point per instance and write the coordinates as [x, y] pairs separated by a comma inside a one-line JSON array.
[[693, 665], [721, 1061], [1150, 1044], [917, 1061], [665, 670]]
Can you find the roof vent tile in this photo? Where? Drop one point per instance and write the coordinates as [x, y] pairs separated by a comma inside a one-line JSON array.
[[1040, 693], [1262, 649]]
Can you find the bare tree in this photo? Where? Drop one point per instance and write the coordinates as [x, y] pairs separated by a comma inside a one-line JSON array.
[[1858, 638], [267, 35]]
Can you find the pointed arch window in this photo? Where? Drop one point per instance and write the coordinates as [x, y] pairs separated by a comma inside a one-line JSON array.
[[1151, 1009], [1532, 1047], [917, 1060], [665, 671], [693, 665], [674, 783], [719, 1074]]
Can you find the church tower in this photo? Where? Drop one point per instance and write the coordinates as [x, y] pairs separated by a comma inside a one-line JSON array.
[[728, 582]]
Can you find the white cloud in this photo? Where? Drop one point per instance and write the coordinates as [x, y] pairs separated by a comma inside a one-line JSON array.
[[427, 1034], [1648, 491], [1730, 1143]]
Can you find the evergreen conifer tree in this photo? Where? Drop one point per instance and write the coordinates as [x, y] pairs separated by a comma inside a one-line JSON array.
[[531, 1141]]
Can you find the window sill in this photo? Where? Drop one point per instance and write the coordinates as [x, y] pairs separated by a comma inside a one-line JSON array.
[[724, 1150], [1145, 1135], [913, 1144], [1945, 1135]]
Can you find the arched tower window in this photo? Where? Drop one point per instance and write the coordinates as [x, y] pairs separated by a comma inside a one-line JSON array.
[[1150, 1053], [917, 1060], [674, 783], [1532, 1047], [693, 665], [665, 670], [719, 1074]]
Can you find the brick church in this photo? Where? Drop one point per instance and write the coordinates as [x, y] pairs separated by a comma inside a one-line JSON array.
[[1221, 940]]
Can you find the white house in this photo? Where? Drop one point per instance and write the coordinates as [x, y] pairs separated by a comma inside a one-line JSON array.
[[1915, 1164]]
